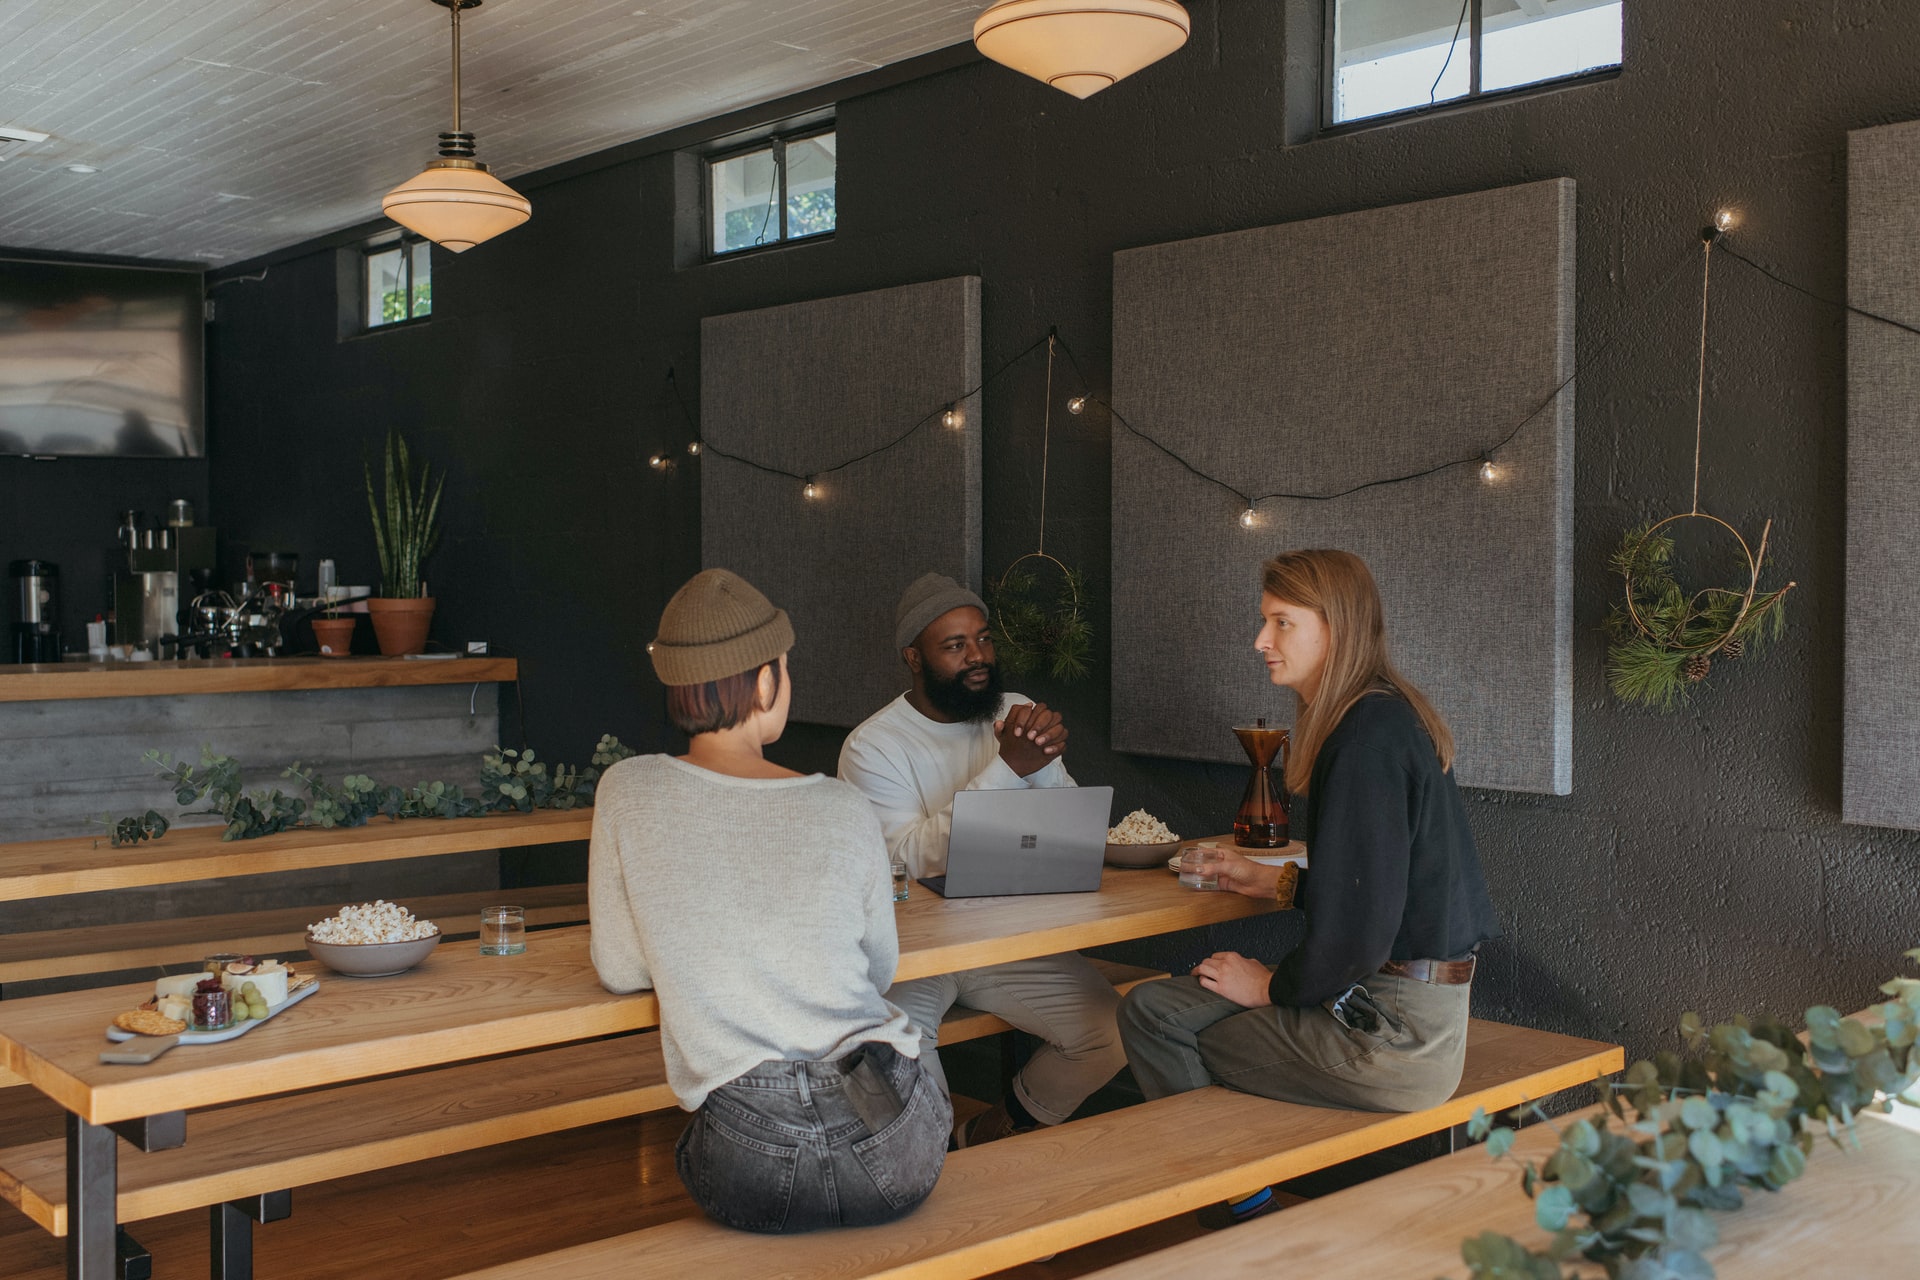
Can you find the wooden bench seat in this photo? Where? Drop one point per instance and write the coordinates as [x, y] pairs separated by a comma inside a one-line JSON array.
[[1028, 1196], [61, 953], [298, 1139]]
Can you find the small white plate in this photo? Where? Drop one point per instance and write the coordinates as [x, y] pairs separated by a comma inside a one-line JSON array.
[[1267, 859]]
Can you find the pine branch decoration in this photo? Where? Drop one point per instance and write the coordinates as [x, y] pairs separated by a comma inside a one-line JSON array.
[[1663, 638]]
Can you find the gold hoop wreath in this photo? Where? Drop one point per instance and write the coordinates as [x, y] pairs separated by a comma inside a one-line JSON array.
[[1665, 638]]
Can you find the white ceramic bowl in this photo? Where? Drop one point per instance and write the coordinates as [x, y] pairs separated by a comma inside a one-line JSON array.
[[372, 959], [1134, 856]]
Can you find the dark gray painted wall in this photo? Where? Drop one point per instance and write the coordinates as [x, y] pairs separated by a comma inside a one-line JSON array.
[[1700, 862]]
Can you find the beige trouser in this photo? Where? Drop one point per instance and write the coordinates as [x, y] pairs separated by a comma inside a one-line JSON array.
[[1061, 999]]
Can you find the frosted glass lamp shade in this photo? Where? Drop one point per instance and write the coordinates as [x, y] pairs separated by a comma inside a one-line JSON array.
[[1080, 46], [456, 204]]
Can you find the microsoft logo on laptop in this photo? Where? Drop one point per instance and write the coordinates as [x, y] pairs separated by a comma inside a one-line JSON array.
[[1029, 842]]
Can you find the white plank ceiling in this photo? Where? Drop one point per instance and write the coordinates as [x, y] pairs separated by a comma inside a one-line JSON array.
[[221, 129]]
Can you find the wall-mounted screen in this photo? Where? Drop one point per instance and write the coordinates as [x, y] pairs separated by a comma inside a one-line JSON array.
[[100, 361]]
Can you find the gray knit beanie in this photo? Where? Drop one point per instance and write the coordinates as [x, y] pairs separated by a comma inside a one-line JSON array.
[[717, 626], [931, 595]]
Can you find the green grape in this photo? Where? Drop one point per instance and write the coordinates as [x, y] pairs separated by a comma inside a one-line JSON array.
[[257, 1011]]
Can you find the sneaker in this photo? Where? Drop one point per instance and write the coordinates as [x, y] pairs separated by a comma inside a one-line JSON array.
[[1231, 1213], [990, 1125]]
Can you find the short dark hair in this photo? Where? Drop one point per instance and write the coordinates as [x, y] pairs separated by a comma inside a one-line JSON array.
[[718, 704]]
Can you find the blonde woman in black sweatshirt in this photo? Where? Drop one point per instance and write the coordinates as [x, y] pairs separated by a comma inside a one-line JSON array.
[[1369, 1012]]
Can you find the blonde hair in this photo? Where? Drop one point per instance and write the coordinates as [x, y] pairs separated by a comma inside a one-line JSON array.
[[1339, 587]]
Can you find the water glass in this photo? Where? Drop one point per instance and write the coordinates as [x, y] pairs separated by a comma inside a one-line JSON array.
[[899, 881], [503, 931], [1200, 866]]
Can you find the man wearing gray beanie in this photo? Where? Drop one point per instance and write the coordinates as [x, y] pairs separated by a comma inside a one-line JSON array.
[[955, 730]]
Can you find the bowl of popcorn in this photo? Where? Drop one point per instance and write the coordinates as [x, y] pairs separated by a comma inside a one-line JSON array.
[[372, 940], [1141, 840]]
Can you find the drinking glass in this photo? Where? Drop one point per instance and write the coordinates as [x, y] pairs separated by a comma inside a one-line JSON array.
[[1200, 866], [503, 931], [899, 881]]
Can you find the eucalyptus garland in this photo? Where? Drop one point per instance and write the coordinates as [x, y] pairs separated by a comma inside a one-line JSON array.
[[510, 782], [1036, 629], [1664, 638], [1635, 1189]]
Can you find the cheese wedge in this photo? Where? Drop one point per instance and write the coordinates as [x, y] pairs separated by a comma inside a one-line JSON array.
[[179, 985], [179, 1008], [270, 983]]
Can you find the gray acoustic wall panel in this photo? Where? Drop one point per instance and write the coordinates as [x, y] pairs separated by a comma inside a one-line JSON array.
[[805, 387], [1316, 356], [1881, 739]]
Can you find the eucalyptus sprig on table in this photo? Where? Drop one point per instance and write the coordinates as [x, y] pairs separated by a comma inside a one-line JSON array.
[[1741, 1112], [122, 832]]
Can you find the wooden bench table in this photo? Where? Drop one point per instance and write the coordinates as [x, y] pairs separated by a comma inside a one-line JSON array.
[[1850, 1215], [459, 1006]]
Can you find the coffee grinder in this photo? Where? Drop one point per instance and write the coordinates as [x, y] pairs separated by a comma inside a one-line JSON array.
[[36, 629]]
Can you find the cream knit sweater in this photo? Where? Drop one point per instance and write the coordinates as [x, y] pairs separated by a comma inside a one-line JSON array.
[[759, 910]]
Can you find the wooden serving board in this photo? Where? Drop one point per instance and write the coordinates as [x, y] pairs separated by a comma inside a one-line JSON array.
[[117, 1035]]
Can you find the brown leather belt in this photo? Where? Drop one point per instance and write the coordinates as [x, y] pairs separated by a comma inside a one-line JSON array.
[[1442, 973]]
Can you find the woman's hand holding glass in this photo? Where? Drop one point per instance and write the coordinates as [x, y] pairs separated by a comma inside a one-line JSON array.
[[1212, 866]]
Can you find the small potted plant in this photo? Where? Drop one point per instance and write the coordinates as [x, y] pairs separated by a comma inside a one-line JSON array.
[[406, 526], [333, 631]]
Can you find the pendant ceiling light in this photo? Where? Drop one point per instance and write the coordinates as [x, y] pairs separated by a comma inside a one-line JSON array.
[[454, 201], [1080, 46]]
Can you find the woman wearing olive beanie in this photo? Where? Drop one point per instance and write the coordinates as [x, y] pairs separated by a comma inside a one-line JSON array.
[[756, 903]]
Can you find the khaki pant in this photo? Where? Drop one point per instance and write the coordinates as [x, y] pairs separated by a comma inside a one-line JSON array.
[[1061, 999], [1180, 1036]]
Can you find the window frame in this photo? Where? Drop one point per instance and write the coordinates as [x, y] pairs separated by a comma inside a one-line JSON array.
[[406, 242], [1474, 96], [777, 142]]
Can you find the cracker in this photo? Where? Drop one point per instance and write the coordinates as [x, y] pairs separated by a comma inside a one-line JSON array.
[[147, 1022]]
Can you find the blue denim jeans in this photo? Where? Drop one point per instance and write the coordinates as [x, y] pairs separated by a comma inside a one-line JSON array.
[[796, 1146]]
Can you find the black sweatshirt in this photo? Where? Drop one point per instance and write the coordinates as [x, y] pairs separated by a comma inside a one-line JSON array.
[[1394, 871]]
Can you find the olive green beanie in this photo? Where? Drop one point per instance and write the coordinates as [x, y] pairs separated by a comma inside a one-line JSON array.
[[717, 626], [928, 597]]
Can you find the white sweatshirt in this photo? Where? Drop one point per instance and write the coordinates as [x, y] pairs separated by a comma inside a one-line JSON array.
[[756, 908], [910, 767]]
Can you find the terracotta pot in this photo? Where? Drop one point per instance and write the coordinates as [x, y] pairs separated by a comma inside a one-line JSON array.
[[335, 636], [401, 625]]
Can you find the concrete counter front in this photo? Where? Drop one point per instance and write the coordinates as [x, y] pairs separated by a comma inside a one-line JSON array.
[[74, 739]]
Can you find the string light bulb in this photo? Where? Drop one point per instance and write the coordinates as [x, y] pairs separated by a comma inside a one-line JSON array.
[[1077, 405], [952, 417], [658, 462], [1246, 517], [809, 490], [1488, 471], [693, 448], [1725, 220]]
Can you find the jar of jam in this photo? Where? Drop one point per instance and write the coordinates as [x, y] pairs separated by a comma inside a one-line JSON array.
[[212, 1006]]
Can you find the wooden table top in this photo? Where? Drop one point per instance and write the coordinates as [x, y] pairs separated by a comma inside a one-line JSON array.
[[459, 1004], [1850, 1215], [51, 681], [86, 864]]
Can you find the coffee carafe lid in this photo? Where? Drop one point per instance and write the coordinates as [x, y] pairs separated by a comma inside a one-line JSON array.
[[33, 569]]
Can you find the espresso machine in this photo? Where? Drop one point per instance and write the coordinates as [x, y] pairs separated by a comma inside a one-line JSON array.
[[159, 567], [36, 627]]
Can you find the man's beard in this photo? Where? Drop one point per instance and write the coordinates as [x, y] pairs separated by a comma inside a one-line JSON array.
[[958, 700]]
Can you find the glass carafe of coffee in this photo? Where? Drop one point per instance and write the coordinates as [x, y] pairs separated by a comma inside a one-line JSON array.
[[1262, 820]]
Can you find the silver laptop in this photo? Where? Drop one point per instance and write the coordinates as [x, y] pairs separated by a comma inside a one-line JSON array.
[[1036, 840]]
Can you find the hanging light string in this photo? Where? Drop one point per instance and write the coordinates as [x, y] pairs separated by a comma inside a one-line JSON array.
[[1484, 458], [1481, 458], [947, 414]]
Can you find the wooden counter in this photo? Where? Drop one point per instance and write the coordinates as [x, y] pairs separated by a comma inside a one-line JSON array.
[[35, 868], [53, 681]]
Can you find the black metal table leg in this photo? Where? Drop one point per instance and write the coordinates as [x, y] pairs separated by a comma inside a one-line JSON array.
[[92, 1201], [232, 1231], [135, 1262]]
